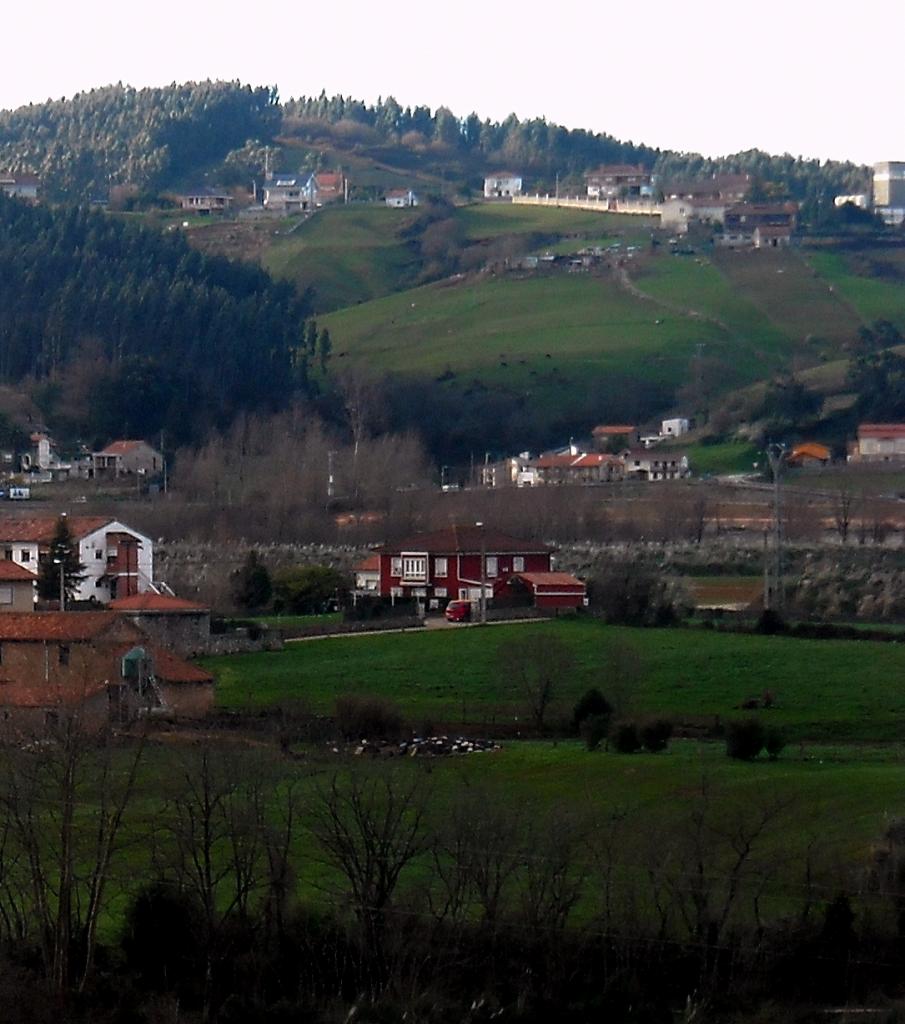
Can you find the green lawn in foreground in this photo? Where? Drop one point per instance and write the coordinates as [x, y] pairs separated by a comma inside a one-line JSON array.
[[825, 690]]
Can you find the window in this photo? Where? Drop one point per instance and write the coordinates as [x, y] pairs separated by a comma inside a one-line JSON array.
[[440, 592], [8, 554], [492, 567], [6, 595], [440, 567], [414, 567], [98, 554], [396, 567], [518, 564], [24, 555], [64, 654]]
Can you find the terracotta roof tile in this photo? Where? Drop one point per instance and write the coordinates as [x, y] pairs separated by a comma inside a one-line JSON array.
[[550, 579], [12, 572], [151, 602], [40, 529], [370, 564], [171, 669], [55, 626]]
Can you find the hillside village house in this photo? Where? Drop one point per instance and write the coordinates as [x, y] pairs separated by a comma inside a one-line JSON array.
[[616, 181], [677, 215], [724, 188], [286, 194], [400, 198], [326, 187], [578, 468], [20, 186], [763, 225], [205, 200], [367, 575], [879, 442], [675, 427], [117, 560], [644, 464], [96, 664], [607, 434], [126, 458], [502, 185]]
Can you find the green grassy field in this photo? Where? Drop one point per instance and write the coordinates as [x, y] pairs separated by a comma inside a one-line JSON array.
[[726, 457], [825, 690], [491, 220], [347, 254], [791, 294], [874, 298]]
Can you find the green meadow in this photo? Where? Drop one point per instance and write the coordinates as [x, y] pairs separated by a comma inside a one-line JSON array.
[[836, 691]]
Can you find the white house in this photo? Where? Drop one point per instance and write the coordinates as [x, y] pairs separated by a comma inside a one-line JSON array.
[[22, 186], [399, 198], [502, 185], [286, 194], [642, 464], [675, 427], [126, 458], [118, 561]]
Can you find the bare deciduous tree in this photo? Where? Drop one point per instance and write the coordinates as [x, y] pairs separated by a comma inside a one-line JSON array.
[[537, 665]]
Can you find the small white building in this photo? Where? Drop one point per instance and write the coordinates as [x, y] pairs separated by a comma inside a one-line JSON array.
[[400, 198], [21, 186], [675, 427], [641, 464], [502, 185]]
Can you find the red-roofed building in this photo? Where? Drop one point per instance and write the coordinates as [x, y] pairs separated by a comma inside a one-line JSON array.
[[326, 186], [551, 591], [126, 458], [97, 664], [447, 564], [173, 622], [583, 468], [399, 198], [879, 442], [117, 560]]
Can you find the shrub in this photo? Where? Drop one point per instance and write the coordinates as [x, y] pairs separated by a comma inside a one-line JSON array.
[[655, 735], [770, 623], [368, 718], [594, 730], [774, 742], [625, 738], [592, 704], [744, 739]]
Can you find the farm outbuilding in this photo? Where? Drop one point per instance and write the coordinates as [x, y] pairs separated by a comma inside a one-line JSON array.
[[551, 591]]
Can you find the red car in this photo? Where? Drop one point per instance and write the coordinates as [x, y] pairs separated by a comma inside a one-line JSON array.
[[458, 611]]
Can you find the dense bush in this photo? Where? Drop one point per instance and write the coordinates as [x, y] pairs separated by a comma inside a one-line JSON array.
[[594, 730], [745, 738], [592, 704], [626, 739], [368, 718], [655, 735], [774, 742]]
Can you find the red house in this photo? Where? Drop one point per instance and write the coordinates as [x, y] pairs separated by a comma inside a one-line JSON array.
[[551, 591], [446, 564]]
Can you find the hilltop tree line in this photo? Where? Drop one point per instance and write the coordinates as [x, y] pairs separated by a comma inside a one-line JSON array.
[[158, 138], [123, 330], [149, 137]]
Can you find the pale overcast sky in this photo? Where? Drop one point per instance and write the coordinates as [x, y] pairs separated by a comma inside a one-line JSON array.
[[715, 77]]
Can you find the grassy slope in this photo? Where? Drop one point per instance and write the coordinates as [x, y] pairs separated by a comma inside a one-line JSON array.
[[873, 298], [825, 689], [347, 254], [790, 293], [491, 220]]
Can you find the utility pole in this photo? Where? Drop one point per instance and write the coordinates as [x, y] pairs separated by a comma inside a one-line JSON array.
[[483, 603], [773, 593]]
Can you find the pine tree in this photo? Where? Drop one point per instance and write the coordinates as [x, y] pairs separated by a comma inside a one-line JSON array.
[[251, 585], [64, 551]]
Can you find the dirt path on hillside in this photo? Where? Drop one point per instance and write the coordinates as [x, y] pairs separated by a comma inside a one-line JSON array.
[[627, 284]]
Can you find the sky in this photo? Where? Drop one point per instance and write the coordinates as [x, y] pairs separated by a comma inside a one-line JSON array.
[[704, 76]]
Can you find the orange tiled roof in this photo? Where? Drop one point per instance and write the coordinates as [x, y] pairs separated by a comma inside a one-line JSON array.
[[171, 669], [370, 564], [550, 579], [151, 602], [55, 626], [12, 572], [40, 529], [120, 447]]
